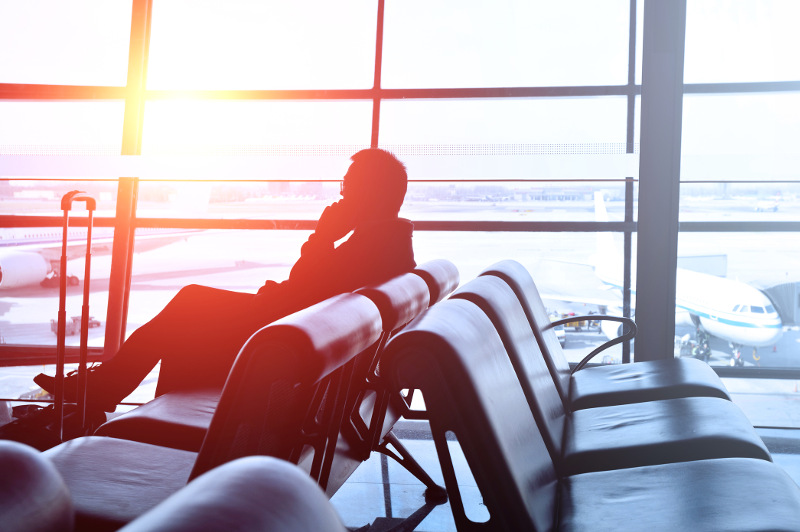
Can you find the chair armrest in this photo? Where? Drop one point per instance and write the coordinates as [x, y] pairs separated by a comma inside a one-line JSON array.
[[624, 337]]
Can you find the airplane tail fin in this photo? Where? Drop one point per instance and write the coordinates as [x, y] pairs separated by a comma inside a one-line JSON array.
[[608, 258]]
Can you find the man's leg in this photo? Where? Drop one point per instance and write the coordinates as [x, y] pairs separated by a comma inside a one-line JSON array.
[[202, 354], [198, 317]]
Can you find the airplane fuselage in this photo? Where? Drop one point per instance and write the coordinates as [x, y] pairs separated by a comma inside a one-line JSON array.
[[729, 309]]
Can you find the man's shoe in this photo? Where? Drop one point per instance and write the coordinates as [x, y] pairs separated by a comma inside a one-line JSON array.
[[48, 384], [94, 397]]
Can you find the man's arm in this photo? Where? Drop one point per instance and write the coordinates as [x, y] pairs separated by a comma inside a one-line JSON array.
[[336, 221]]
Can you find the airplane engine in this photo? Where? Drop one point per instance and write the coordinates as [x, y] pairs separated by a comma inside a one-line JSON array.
[[611, 329], [20, 268]]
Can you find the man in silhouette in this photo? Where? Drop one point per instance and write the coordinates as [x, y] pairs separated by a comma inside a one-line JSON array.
[[199, 333]]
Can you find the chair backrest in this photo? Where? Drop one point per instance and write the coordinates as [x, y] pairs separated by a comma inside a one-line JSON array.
[[252, 493], [370, 417], [520, 280], [498, 301], [283, 376], [441, 276], [399, 300], [453, 354]]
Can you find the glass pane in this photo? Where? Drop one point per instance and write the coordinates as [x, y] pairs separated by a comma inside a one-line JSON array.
[[29, 258], [61, 128], [741, 40], [43, 198], [246, 44], [740, 136], [545, 138], [720, 271], [511, 202], [240, 261], [504, 44], [80, 42], [273, 200], [561, 264], [740, 202], [303, 140], [639, 40], [767, 403]]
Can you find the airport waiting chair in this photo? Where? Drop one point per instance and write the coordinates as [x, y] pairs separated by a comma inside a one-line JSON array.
[[617, 436], [606, 385], [253, 493], [180, 419], [373, 408], [33, 496], [454, 355], [284, 397]]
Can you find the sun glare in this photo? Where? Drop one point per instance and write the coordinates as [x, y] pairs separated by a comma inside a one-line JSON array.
[[245, 44]]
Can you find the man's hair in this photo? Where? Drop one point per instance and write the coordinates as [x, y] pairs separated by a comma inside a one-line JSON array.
[[383, 175]]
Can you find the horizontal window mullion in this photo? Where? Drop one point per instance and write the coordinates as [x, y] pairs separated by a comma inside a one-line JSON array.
[[10, 91], [363, 94], [738, 227], [755, 86], [34, 355]]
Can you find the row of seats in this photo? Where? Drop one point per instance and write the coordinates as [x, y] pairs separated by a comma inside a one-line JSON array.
[[648, 445], [306, 389], [627, 434], [659, 446]]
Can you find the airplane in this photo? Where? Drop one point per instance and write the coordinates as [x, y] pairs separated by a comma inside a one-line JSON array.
[[32, 255], [724, 308]]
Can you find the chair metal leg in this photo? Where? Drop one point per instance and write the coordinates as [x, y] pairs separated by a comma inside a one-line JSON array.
[[433, 492]]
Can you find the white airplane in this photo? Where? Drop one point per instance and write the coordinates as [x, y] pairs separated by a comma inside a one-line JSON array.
[[727, 309], [31, 255]]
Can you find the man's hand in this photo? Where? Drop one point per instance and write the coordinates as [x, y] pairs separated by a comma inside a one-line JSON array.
[[335, 222]]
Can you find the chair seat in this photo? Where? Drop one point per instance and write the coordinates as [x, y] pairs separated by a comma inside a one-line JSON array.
[[723, 495], [657, 432], [178, 419], [254, 493], [643, 381], [114, 481]]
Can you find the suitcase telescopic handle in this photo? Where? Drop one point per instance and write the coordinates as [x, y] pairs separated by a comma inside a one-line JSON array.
[[77, 195], [66, 205]]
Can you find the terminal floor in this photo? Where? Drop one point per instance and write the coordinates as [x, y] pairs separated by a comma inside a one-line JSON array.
[[382, 496]]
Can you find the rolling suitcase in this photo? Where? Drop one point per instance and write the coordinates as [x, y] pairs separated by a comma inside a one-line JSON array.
[[46, 427], [80, 422]]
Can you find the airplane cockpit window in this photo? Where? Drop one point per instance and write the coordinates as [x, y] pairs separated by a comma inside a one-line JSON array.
[[757, 310], [744, 308], [736, 308], [770, 309]]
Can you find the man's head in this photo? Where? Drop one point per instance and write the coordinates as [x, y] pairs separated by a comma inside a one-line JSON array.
[[375, 184]]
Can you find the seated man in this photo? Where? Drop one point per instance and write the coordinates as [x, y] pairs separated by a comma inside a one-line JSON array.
[[199, 333]]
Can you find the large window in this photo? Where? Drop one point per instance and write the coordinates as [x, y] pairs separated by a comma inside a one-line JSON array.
[[219, 131]]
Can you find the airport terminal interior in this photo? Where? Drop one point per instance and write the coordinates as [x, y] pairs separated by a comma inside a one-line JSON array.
[[638, 158]]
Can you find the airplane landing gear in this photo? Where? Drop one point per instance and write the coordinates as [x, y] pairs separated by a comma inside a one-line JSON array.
[[737, 360], [52, 280]]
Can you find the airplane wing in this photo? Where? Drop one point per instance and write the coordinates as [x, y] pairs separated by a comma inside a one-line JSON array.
[[29, 259], [574, 283]]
